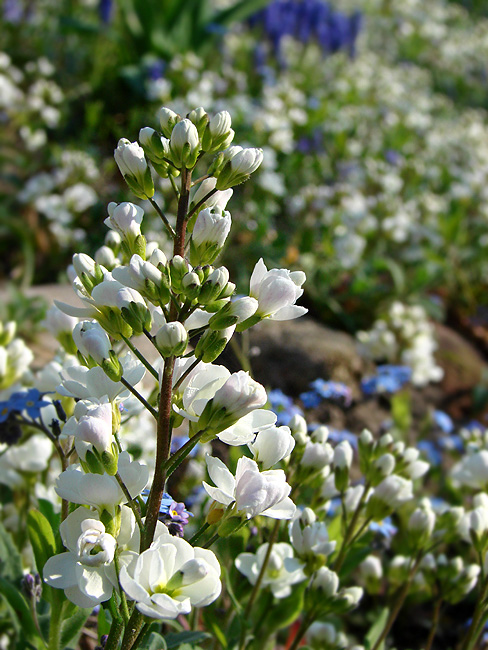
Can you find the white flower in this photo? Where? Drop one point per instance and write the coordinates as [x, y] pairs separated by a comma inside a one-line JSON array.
[[171, 577], [94, 428], [184, 143], [272, 445], [253, 492], [102, 491], [211, 228], [92, 341], [85, 571], [125, 219], [57, 322], [343, 455], [31, 456], [217, 200], [130, 159], [172, 339], [308, 536], [317, 455], [282, 570], [472, 470], [277, 291], [92, 383]]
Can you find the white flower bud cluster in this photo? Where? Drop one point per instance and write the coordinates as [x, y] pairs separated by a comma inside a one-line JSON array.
[[403, 335]]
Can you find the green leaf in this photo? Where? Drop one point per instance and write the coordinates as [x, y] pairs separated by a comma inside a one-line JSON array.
[[174, 640], [286, 610], [20, 607], [153, 642], [10, 560], [47, 509], [72, 626], [42, 538], [375, 630]]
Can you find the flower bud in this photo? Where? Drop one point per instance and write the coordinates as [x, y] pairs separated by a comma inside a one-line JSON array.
[[184, 144], [299, 429], [219, 134], [234, 312], [420, 527], [88, 271], [172, 339], [214, 286], [216, 200], [190, 285], [92, 341], [240, 164], [212, 343], [178, 267], [272, 445], [134, 309], [209, 234], [199, 118], [167, 119], [130, 159]]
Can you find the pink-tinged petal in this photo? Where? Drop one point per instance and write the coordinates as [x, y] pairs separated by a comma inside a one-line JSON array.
[[218, 495], [220, 475], [289, 313], [283, 510], [60, 571], [77, 312], [257, 276]]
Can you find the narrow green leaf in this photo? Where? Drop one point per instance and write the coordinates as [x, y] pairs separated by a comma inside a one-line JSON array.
[[10, 560], [72, 626], [42, 538], [375, 630], [19, 605], [174, 640], [154, 642]]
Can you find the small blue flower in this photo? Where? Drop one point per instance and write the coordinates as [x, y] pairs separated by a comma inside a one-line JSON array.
[[25, 400], [429, 448], [389, 379], [283, 406], [384, 528], [310, 399], [443, 421], [338, 435]]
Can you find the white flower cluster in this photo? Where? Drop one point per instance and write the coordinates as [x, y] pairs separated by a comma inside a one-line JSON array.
[[403, 335]]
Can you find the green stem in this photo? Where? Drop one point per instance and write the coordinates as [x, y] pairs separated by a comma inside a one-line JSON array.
[[141, 357], [132, 504], [398, 603], [114, 635], [473, 632], [257, 585], [55, 627], [132, 630], [173, 185], [435, 623], [191, 367], [211, 541], [302, 630], [199, 533], [179, 456], [164, 219], [241, 356], [200, 203], [141, 399], [123, 600], [350, 530]]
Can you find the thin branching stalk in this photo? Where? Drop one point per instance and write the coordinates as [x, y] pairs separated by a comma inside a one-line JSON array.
[[141, 357], [141, 399], [350, 530], [133, 505], [435, 623], [164, 219]]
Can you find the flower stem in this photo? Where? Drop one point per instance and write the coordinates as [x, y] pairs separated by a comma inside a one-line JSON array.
[[398, 603], [199, 533], [257, 585], [349, 534], [55, 627], [141, 357], [179, 456], [164, 219], [473, 632], [435, 623], [200, 203], [191, 367], [306, 623], [132, 504], [141, 399]]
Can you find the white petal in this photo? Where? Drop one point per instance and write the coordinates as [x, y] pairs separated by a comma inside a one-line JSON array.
[[60, 570]]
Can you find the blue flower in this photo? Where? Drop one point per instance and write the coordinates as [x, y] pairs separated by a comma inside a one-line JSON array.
[[310, 399], [283, 406], [25, 400], [433, 455], [338, 435], [443, 421], [389, 379], [384, 528]]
